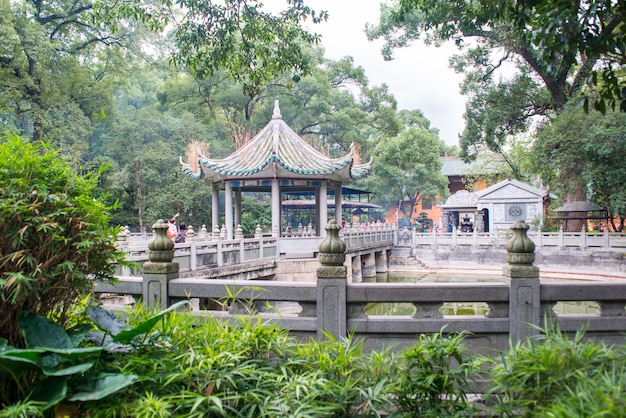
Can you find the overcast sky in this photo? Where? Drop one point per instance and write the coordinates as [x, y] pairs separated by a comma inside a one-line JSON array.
[[418, 77]]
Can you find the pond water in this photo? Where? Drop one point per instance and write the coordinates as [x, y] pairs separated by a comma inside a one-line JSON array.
[[455, 308]]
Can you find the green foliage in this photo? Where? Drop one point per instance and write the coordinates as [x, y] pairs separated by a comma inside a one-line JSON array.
[[604, 395], [59, 364], [591, 28], [407, 169], [55, 235], [581, 155], [249, 43], [183, 365], [433, 378], [545, 373], [52, 89], [27, 409], [256, 210], [212, 368]]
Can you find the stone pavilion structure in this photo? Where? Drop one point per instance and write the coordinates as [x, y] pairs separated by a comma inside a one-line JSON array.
[[277, 160]]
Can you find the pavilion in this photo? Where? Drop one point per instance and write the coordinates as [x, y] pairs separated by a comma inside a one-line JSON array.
[[279, 161]]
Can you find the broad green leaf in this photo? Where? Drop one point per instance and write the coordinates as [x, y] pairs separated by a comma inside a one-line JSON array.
[[125, 337], [96, 389], [12, 367], [75, 353], [42, 332], [107, 321], [75, 369], [78, 333], [33, 354], [51, 391]]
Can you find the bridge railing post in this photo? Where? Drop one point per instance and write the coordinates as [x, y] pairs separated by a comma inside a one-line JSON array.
[[193, 249], [331, 285], [160, 269], [524, 285]]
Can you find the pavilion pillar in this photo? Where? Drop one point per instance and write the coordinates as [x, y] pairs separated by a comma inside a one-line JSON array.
[[215, 206], [276, 227], [338, 207], [237, 207], [228, 203], [322, 213]]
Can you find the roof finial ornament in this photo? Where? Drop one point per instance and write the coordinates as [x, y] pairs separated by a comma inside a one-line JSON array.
[[276, 114]]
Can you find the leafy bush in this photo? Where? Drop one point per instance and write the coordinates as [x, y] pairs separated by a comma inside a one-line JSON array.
[[555, 373], [59, 365], [433, 377], [54, 235], [602, 396], [217, 369]]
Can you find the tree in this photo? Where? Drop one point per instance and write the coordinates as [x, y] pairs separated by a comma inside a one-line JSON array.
[[592, 30], [407, 169], [238, 36], [549, 75], [48, 90], [144, 147], [592, 144]]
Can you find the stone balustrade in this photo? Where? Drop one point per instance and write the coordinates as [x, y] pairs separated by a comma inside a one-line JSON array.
[[203, 250], [331, 306], [543, 240]]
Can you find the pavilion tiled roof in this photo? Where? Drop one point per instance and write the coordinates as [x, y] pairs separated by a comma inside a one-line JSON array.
[[278, 152]]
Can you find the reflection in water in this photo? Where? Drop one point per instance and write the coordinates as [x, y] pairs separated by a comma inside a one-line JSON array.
[[457, 308]]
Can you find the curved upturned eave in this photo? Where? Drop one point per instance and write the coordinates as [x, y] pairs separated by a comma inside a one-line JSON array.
[[188, 170], [360, 171]]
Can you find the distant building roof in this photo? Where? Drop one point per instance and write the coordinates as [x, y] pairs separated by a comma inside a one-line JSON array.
[[454, 166], [580, 209], [278, 152], [461, 200], [515, 191], [579, 206]]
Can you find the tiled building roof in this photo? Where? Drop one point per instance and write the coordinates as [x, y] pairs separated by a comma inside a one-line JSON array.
[[278, 152]]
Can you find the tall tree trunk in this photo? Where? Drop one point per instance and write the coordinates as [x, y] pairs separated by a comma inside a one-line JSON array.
[[576, 191]]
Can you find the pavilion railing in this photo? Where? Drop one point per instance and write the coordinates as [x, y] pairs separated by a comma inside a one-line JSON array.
[[197, 254]]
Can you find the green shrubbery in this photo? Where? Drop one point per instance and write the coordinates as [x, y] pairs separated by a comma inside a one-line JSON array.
[[55, 235], [186, 366], [556, 376], [55, 238]]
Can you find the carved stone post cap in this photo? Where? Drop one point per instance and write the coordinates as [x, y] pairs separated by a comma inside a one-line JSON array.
[[332, 249], [161, 246], [520, 249]]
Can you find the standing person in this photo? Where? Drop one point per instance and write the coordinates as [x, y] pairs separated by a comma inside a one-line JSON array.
[[181, 236], [171, 227]]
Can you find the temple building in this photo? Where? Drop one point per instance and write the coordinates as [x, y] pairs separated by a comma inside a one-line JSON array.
[[494, 208], [278, 161]]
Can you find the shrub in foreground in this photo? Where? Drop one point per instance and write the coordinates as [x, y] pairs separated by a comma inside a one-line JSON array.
[[216, 369], [174, 364], [554, 375], [54, 235], [433, 377]]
